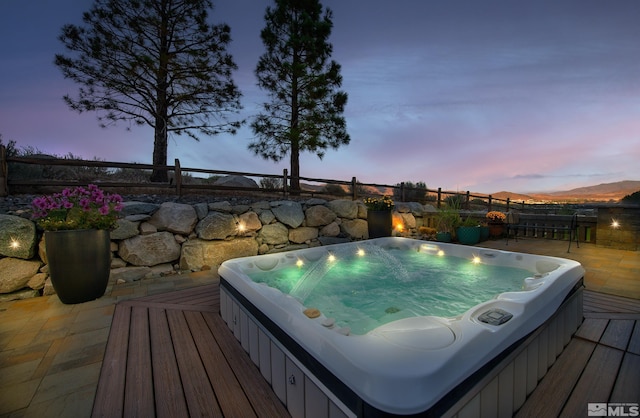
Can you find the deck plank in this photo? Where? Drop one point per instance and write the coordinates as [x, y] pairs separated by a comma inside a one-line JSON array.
[[231, 397], [201, 399], [610, 303], [109, 399], [618, 333], [264, 400], [170, 398], [634, 342], [548, 399], [138, 396], [627, 386], [592, 329], [596, 382]]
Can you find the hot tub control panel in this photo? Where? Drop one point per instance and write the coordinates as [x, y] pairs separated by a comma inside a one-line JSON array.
[[495, 317]]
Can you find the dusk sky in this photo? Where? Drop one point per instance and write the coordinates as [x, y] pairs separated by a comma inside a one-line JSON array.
[[465, 95]]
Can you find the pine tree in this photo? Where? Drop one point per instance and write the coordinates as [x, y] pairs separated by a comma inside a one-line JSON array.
[[305, 108], [153, 62]]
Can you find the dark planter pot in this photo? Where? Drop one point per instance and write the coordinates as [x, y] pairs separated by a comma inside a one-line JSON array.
[[484, 233], [496, 229], [379, 223], [468, 235], [443, 236], [79, 263]]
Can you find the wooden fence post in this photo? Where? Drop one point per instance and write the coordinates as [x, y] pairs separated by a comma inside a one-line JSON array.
[[402, 197], [354, 189], [467, 204], [508, 202], [489, 208], [439, 196], [285, 190], [4, 171], [178, 177]]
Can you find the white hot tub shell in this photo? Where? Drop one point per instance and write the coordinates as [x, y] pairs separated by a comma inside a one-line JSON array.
[[414, 366]]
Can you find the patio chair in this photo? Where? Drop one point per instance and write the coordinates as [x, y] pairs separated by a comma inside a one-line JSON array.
[[514, 226]]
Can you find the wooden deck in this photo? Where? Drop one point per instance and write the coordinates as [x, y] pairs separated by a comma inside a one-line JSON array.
[[172, 355], [601, 363]]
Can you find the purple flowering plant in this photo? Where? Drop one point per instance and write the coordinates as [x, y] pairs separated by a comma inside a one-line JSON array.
[[77, 208]]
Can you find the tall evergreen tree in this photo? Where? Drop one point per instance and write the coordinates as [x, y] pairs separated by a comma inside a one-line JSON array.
[[305, 108], [153, 62]]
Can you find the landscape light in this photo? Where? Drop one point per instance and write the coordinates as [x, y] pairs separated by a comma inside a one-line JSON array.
[[615, 224], [14, 243], [241, 227]]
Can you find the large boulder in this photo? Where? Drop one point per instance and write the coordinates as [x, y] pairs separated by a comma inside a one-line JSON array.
[[266, 217], [288, 212], [356, 228], [124, 229], [137, 208], [302, 234], [250, 221], [274, 234], [198, 253], [415, 208], [331, 230], [149, 250], [319, 215], [407, 219], [178, 218], [17, 237], [236, 181], [344, 208], [217, 225], [15, 273]]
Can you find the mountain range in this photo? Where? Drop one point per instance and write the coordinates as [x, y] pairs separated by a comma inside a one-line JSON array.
[[604, 192]]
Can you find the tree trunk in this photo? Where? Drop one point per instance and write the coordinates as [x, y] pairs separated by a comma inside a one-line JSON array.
[[160, 153], [295, 167], [294, 134], [161, 133]]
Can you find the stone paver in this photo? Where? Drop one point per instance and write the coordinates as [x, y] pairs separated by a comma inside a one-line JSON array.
[[51, 353]]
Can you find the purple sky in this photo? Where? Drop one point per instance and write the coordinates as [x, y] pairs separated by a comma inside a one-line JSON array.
[[464, 95]]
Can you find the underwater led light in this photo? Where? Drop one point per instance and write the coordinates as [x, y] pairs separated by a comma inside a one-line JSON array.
[[476, 260], [431, 248], [360, 252], [332, 257], [299, 263]]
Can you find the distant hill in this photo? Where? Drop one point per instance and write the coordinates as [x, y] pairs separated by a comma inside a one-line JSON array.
[[513, 196], [600, 193], [604, 192]]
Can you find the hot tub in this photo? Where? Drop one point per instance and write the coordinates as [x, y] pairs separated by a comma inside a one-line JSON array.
[[418, 364]]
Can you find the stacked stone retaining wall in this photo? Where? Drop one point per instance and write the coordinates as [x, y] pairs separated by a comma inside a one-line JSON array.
[[154, 239]]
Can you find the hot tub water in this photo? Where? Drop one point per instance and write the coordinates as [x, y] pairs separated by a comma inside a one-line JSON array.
[[369, 286]]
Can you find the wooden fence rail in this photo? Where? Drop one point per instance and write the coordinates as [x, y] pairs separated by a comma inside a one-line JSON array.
[[181, 182]]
